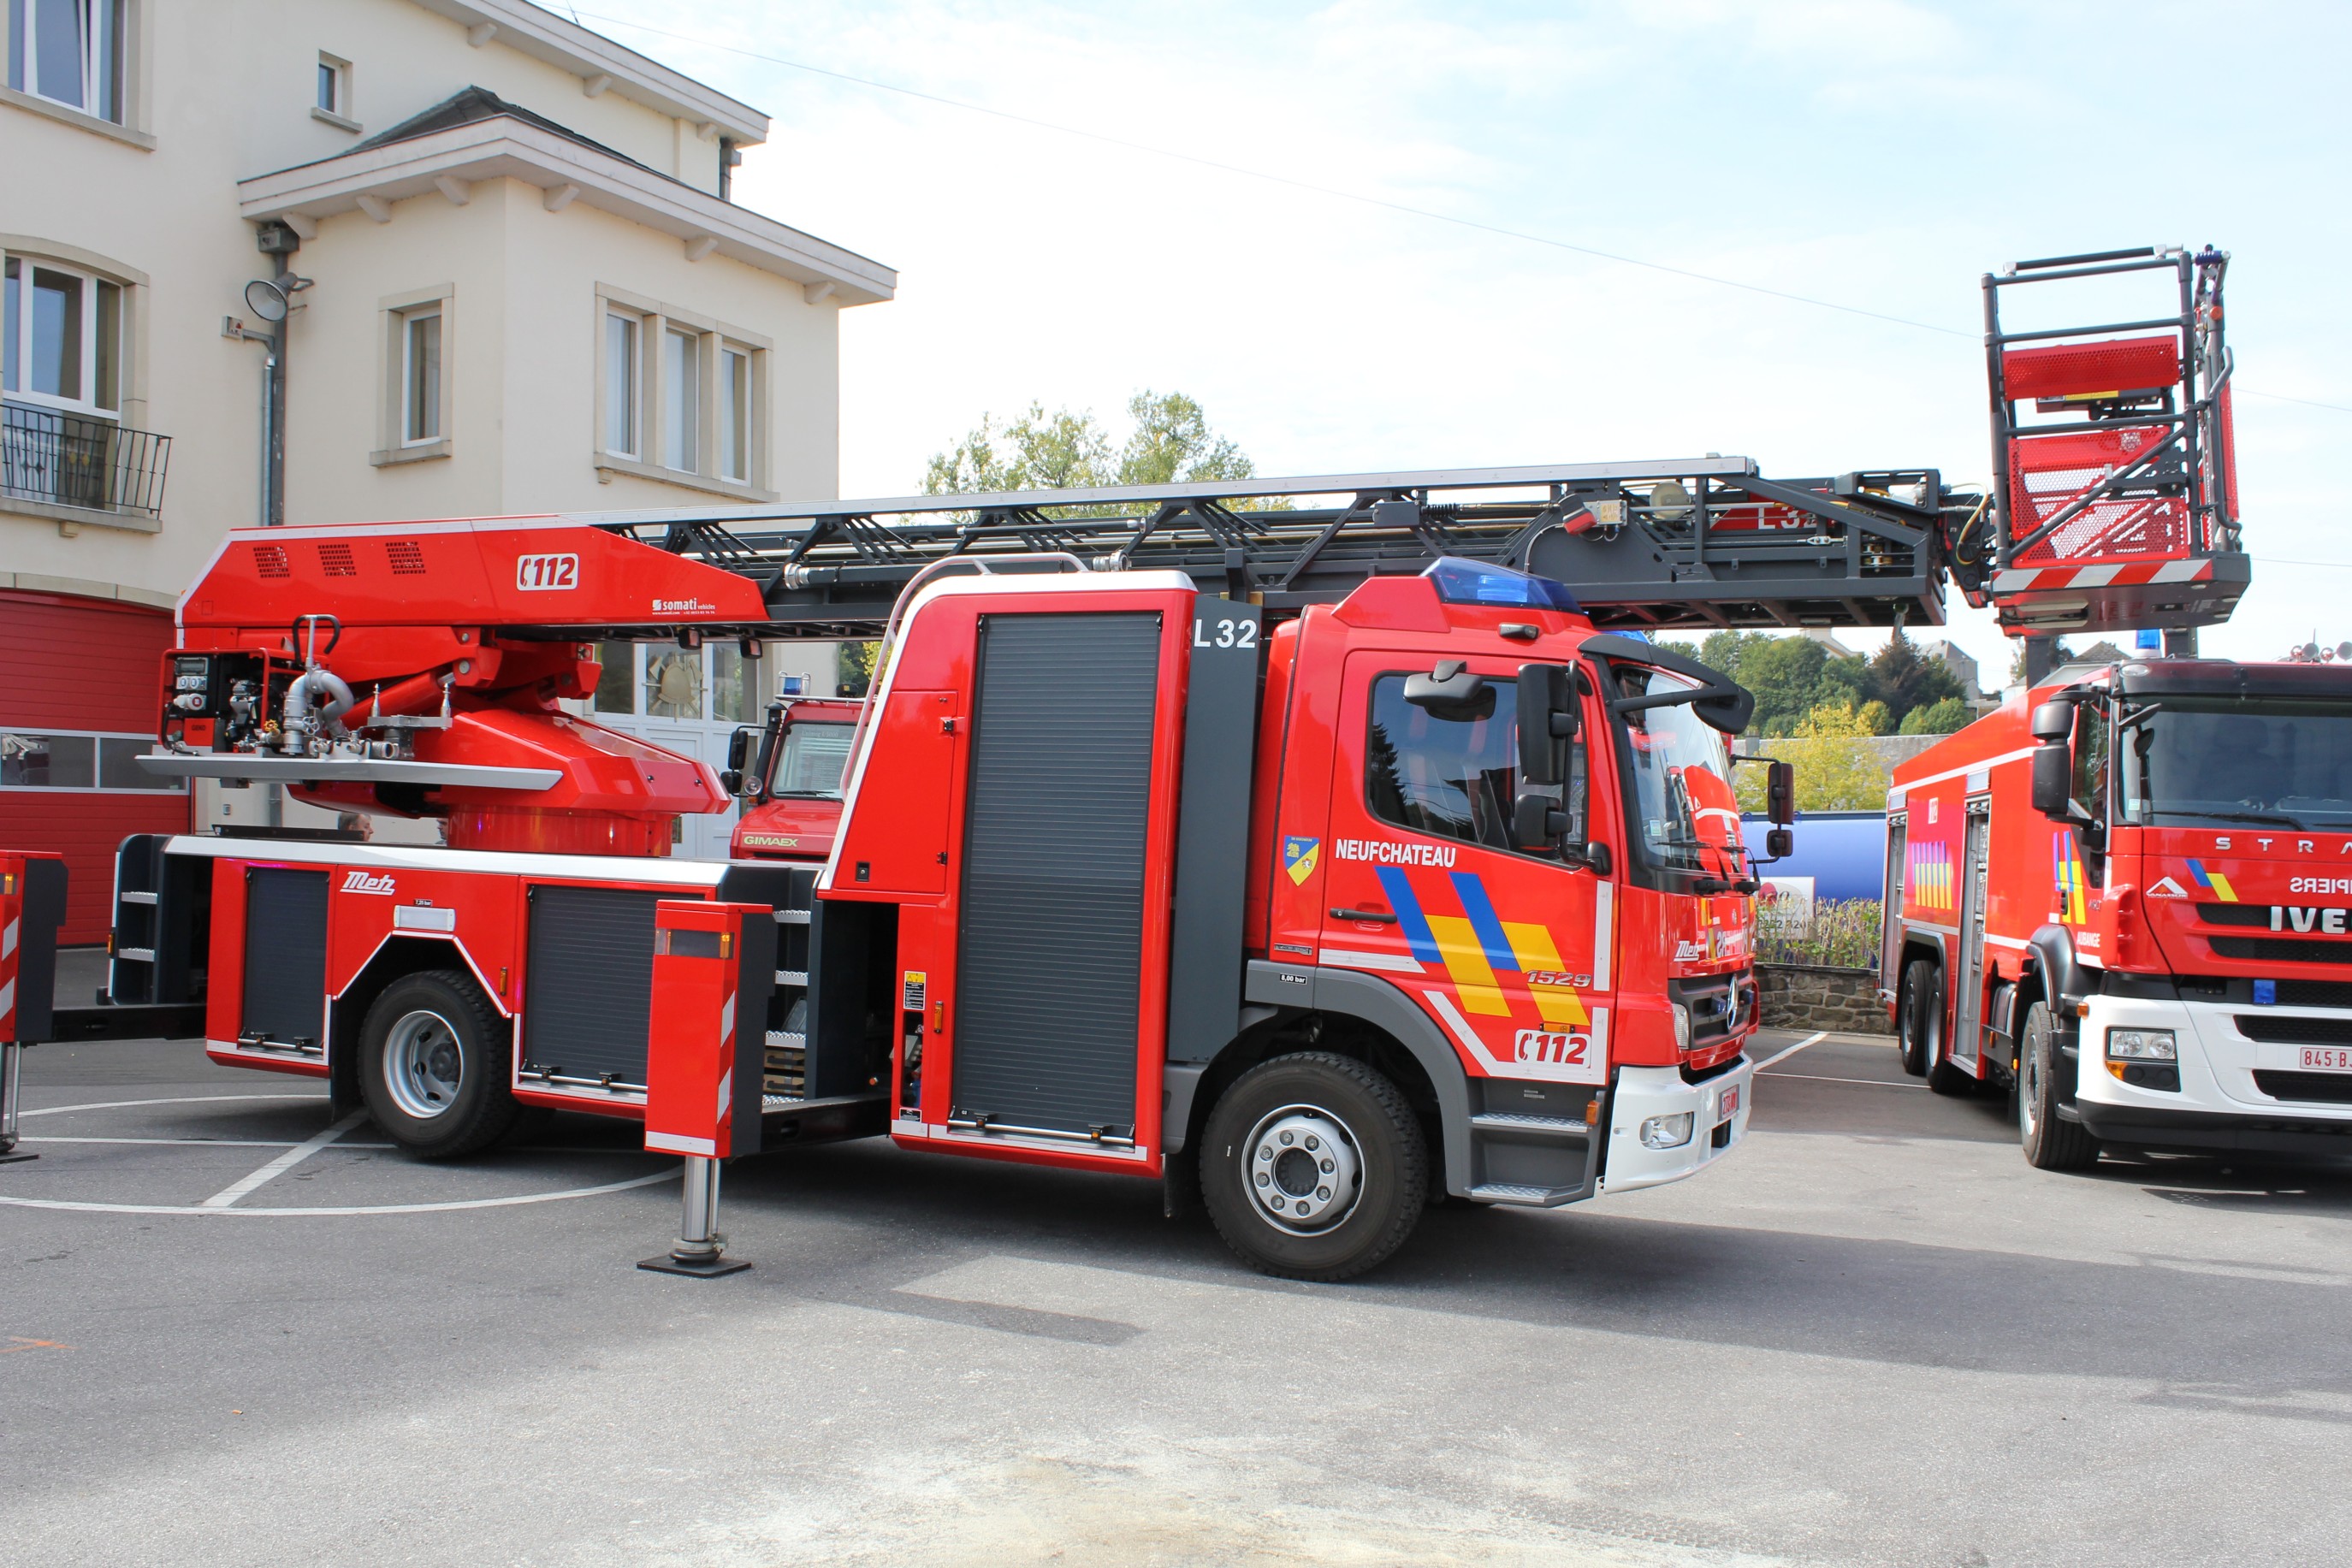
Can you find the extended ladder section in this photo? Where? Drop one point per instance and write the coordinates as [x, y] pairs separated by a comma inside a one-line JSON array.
[[1696, 543], [2115, 475]]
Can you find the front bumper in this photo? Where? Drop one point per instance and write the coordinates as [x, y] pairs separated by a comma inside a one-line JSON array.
[[2219, 1105], [1641, 1093]]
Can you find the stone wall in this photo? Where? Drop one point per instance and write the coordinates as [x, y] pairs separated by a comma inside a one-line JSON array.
[[1803, 996]]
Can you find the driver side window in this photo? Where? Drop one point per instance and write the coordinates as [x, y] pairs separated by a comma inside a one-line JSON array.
[[1449, 777]]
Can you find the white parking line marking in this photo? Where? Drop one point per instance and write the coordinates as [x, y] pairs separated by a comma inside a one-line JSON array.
[[1873, 1082], [204, 1143], [669, 1174], [1815, 1038], [228, 1195], [176, 1100]]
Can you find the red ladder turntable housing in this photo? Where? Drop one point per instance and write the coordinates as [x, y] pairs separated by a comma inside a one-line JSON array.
[[2117, 507]]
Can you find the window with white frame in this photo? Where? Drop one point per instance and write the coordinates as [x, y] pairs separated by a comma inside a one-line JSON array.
[[622, 378], [420, 375], [735, 426], [69, 52], [681, 399], [334, 85], [680, 395], [61, 338]]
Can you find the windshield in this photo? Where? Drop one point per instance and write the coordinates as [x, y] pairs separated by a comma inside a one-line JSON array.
[[813, 760], [2287, 764], [1679, 782]]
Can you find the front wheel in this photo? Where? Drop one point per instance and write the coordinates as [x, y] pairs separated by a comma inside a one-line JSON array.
[[434, 1065], [1314, 1167], [2052, 1143]]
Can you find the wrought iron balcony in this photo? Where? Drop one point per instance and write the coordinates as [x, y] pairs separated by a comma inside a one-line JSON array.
[[66, 460]]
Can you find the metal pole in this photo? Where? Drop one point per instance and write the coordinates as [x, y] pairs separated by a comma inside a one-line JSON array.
[[11, 1091], [700, 1246], [277, 487]]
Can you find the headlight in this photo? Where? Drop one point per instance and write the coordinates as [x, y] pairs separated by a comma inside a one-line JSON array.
[[2141, 1045], [1668, 1132], [1681, 1043]]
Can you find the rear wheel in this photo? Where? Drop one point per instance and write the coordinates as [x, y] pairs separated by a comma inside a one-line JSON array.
[[1919, 1015], [2052, 1143], [433, 1067], [1314, 1167]]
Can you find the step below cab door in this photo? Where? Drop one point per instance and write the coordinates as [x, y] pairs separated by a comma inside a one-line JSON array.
[[1508, 950]]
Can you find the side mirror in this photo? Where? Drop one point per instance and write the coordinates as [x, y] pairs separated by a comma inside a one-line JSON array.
[[732, 780], [1780, 794], [1450, 691], [2054, 721], [1597, 858], [2054, 775], [739, 746], [1536, 822], [1548, 715], [1780, 843]]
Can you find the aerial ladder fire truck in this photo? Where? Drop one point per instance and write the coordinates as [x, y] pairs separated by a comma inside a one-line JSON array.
[[2124, 894], [1303, 843]]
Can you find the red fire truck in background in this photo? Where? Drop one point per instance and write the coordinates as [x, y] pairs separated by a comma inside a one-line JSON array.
[[789, 774], [1384, 872], [2126, 896]]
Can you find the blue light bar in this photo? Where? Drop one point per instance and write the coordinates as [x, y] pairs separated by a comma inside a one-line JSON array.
[[1461, 582]]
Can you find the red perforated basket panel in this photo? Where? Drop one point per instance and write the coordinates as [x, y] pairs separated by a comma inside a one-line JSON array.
[[2047, 473], [2118, 364]]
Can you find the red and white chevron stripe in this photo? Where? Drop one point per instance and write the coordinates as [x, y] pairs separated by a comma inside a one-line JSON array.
[[2030, 579]]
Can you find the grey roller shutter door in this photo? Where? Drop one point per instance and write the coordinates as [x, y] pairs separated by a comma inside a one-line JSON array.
[[1058, 802], [588, 991], [285, 953]]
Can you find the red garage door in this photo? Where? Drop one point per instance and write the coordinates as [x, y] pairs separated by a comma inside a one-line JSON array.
[[80, 699]]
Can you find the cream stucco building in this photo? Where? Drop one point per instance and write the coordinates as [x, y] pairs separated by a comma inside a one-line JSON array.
[[518, 282]]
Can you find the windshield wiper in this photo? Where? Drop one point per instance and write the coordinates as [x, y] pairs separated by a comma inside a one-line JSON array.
[[2264, 818]]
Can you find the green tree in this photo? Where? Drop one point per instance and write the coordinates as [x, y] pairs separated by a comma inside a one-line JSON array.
[[1790, 675], [1837, 768], [1902, 678], [1170, 442], [1941, 716]]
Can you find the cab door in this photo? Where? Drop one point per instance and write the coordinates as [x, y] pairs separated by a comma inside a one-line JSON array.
[[1507, 949]]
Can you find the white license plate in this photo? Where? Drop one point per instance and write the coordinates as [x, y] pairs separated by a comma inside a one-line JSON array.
[[2326, 1059], [1728, 1106]]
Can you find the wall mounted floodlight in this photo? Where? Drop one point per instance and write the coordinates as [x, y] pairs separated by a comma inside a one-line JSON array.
[[272, 298], [266, 300]]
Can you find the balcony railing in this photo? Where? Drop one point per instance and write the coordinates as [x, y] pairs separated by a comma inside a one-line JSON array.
[[95, 464]]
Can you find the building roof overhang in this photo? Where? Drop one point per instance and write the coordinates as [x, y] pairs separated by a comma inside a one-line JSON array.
[[602, 65], [368, 178]]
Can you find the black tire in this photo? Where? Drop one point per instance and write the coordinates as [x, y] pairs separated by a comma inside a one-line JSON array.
[[1918, 1014], [424, 1026], [1278, 1107], [2052, 1143]]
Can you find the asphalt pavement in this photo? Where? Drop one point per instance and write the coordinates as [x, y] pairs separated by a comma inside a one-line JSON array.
[[1872, 1335]]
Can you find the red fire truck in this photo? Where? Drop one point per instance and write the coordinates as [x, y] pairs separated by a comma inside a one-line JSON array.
[[1321, 860], [789, 773], [2124, 895]]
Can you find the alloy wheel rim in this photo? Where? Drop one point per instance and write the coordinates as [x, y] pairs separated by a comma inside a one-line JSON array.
[[423, 1066]]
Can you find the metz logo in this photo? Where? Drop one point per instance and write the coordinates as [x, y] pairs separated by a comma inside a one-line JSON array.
[[360, 882], [543, 573]]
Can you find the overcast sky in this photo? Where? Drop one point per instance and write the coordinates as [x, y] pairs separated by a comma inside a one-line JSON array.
[[1873, 153]]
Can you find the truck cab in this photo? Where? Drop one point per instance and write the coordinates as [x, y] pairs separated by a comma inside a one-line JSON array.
[[789, 775]]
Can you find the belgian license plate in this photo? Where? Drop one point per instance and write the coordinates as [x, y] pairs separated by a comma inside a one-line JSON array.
[[2328, 1058], [1729, 1105]]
